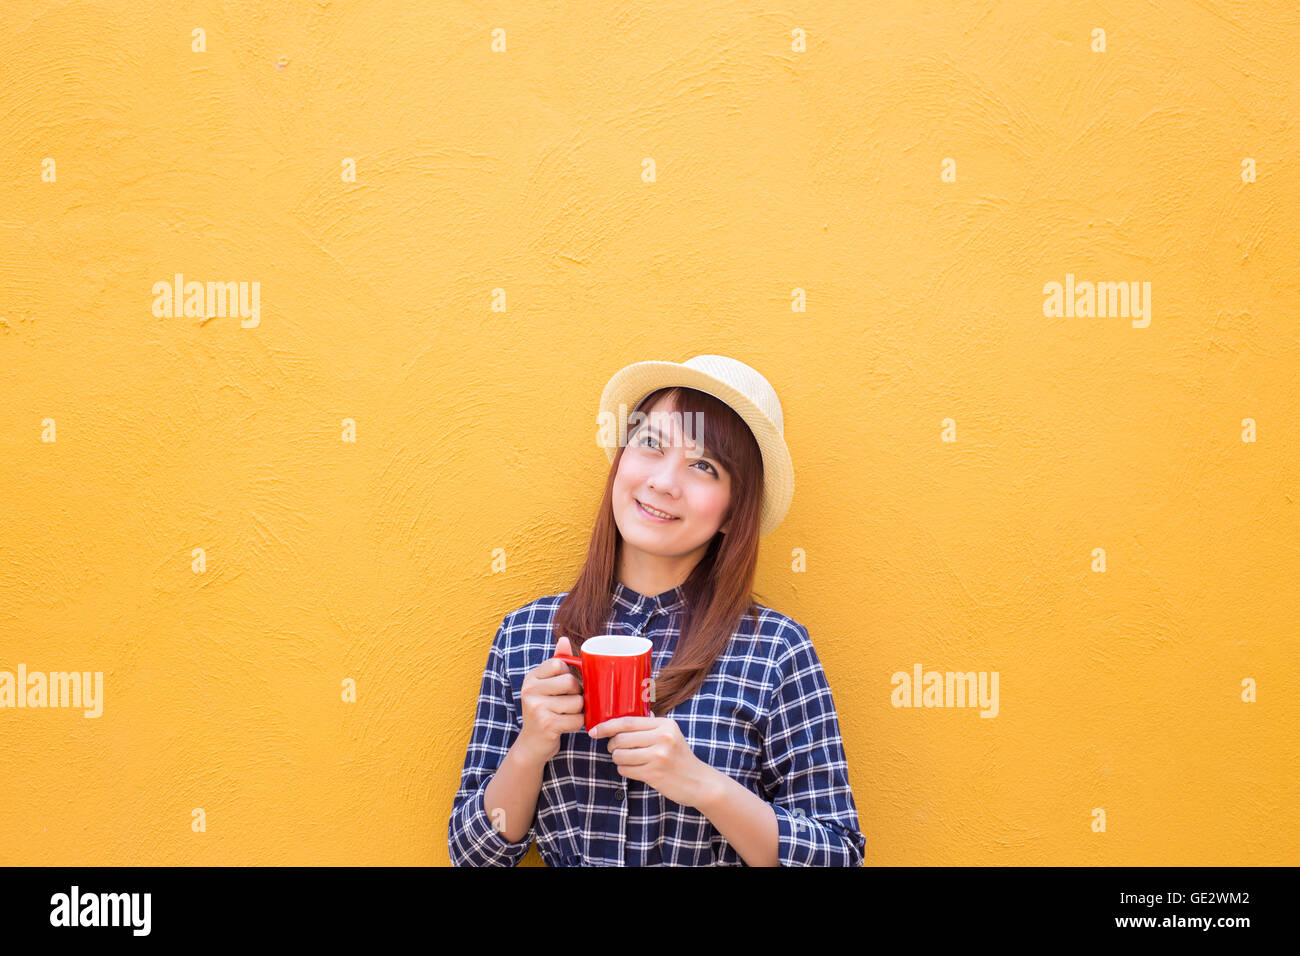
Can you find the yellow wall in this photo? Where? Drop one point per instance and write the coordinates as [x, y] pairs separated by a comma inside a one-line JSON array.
[[522, 169]]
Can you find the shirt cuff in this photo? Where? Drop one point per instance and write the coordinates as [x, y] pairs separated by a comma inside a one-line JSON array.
[[796, 841], [784, 835], [487, 839], [802, 841]]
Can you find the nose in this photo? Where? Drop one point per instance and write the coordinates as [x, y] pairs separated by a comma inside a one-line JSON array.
[[664, 478]]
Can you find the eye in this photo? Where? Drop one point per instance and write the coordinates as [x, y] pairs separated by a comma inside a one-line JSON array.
[[644, 439]]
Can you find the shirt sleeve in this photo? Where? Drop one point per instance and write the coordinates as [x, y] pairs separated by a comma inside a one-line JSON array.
[[472, 838], [804, 769]]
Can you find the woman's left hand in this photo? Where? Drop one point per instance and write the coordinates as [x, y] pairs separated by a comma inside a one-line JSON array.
[[653, 750]]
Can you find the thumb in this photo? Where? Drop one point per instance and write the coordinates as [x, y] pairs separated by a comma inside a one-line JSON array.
[[562, 647]]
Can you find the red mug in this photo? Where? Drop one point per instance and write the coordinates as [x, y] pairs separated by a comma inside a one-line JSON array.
[[616, 678]]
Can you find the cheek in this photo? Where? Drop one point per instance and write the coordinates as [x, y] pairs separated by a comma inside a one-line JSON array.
[[628, 477], [711, 504]]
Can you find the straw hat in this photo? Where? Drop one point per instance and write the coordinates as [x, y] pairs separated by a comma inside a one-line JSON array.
[[735, 383]]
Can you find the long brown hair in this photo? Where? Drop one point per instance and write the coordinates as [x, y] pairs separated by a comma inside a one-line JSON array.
[[719, 589]]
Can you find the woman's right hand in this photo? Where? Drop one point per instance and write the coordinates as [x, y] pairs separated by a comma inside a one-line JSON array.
[[551, 702]]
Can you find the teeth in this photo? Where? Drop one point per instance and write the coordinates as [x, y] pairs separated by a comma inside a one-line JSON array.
[[657, 514]]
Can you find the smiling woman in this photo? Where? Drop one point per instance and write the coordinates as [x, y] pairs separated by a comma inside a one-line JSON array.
[[742, 762]]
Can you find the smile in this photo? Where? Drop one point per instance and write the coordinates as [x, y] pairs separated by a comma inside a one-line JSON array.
[[652, 514]]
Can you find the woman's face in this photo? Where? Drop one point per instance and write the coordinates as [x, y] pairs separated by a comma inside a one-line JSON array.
[[667, 466]]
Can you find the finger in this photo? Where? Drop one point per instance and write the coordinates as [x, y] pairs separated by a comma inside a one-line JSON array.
[[634, 772], [562, 646], [572, 722], [566, 704], [619, 724], [634, 740], [633, 758], [559, 684], [552, 666]]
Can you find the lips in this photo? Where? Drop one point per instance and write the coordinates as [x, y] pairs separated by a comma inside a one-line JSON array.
[[642, 508]]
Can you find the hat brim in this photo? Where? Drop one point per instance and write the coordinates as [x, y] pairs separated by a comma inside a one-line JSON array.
[[631, 384]]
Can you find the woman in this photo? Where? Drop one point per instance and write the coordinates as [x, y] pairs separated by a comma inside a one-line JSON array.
[[742, 761]]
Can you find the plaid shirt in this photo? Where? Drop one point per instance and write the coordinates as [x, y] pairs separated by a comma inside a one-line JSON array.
[[764, 716]]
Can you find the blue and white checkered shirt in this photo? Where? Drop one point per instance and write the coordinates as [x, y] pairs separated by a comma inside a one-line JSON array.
[[764, 716]]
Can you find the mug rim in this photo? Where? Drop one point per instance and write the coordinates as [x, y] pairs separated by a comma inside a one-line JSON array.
[[633, 646]]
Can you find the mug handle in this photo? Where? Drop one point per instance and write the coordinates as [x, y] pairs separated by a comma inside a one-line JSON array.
[[568, 659]]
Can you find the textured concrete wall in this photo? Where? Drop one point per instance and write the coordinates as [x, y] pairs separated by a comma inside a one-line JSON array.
[[863, 201]]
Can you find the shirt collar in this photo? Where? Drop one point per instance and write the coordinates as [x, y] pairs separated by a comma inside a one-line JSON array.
[[638, 605]]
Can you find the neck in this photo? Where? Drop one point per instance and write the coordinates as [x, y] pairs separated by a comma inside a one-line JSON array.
[[652, 575]]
